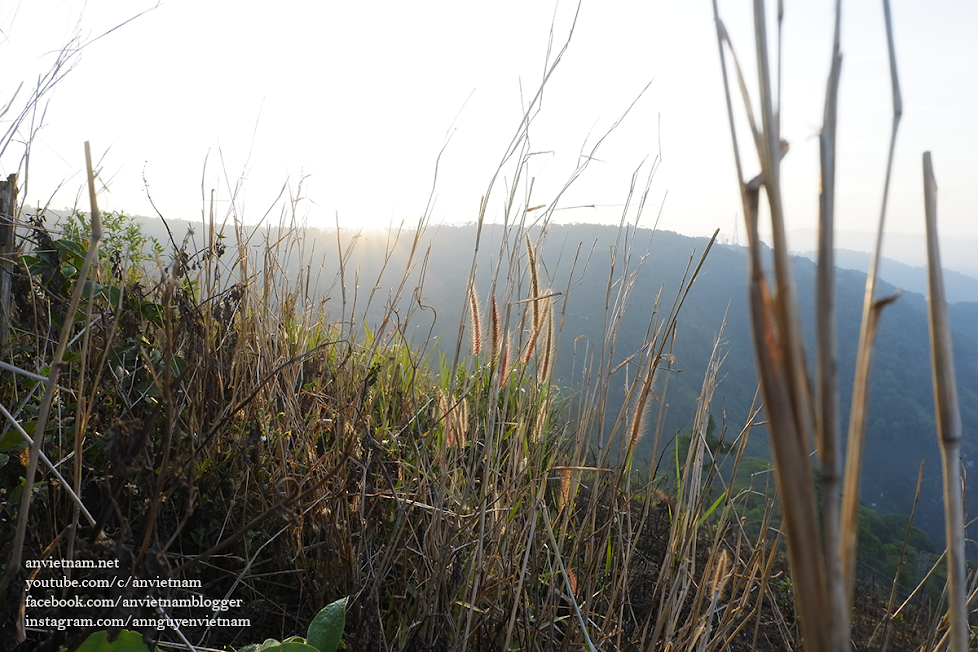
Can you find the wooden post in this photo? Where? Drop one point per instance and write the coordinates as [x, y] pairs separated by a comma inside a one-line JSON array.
[[8, 209]]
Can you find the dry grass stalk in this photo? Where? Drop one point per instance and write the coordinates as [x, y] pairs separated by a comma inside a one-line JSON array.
[[655, 352], [777, 343], [871, 312], [827, 430], [948, 422]]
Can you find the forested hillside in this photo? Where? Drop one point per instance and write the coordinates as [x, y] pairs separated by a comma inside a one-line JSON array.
[[578, 263]]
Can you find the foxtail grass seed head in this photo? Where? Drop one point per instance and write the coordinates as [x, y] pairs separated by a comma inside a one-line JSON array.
[[531, 261], [721, 575], [505, 355], [563, 495], [639, 423], [475, 317], [665, 499], [539, 425], [549, 343], [495, 329], [530, 346], [444, 410], [572, 579]]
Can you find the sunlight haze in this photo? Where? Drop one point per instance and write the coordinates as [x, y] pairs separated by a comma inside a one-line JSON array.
[[345, 108]]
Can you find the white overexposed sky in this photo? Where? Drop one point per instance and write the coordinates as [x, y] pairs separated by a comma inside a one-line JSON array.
[[356, 99]]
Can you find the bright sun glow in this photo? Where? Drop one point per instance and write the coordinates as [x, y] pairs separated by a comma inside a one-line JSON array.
[[326, 111]]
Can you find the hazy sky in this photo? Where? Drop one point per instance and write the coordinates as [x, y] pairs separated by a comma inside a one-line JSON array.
[[357, 99]]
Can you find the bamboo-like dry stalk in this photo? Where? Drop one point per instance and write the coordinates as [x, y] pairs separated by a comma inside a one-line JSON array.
[[780, 359], [827, 431], [948, 421]]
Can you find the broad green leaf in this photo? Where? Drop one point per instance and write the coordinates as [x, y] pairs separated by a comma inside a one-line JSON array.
[[68, 246], [178, 365], [148, 388], [112, 294], [326, 629], [152, 312], [12, 441], [91, 288]]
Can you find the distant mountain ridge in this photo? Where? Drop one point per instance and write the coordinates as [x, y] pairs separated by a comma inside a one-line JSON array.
[[957, 253], [901, 426], [959, 287]]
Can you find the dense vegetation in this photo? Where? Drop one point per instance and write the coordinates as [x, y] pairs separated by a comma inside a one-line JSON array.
[[901, 426], [224, 426]]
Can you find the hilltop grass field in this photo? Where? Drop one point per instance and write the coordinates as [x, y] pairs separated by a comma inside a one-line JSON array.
[[204, 451]]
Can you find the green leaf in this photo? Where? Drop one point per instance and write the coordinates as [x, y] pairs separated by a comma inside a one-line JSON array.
[[285, 646], [152, 312], [128, 641], [326, 629], [71, 247], [12, 441], [148, 388], [112, 294], [90, 288], [177, 365]]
